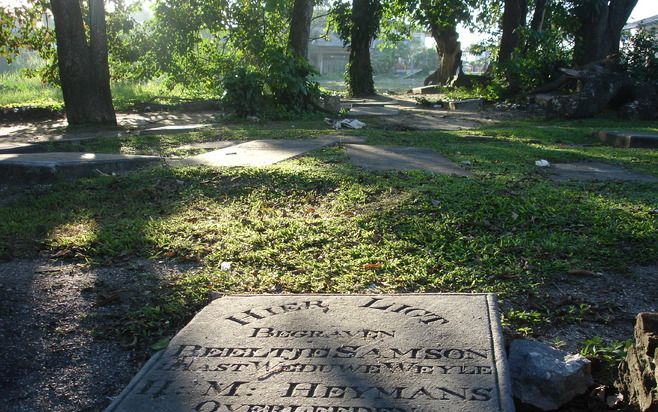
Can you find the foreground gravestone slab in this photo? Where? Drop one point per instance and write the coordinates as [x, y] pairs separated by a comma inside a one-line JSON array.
[[47, 167], [331, 353], [628, 139], [258, 153], [402, 158], [587, 171]]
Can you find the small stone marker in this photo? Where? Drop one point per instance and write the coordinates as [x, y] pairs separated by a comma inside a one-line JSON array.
[[466, 105], [48, 167], [628, 139], [331, 353], [402, 158], [586, 171]]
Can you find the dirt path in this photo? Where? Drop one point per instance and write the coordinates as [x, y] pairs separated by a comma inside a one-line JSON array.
[[49, 312], [55, 130]]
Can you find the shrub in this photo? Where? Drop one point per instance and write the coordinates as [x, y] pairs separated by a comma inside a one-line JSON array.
[[243, 92]]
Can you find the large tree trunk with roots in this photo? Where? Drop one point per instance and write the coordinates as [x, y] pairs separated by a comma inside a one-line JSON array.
[[360, 82], [450, 57], [600, 29], [83, 66], [300, 27], [599, 88]]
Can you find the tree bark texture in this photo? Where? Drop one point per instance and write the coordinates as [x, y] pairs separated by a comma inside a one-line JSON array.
[[600, 29], [300, 27], [360, 82], [539, 16], [514, 17], [83, 66], [450, 57]]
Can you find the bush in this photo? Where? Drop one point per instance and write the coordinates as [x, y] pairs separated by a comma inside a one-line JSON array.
[[243, 92], [287, 79]]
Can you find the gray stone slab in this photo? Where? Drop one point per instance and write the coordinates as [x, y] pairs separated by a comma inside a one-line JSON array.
[[628, 139], [426, 90], [208, 145], [48, 167], [174, 129], [402, 158], [373, 110], [586, 171], [17, 147], [331, 353], [258, 153]]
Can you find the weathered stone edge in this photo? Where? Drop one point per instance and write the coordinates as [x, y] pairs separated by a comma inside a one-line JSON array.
[[498, 343], [134, 381]]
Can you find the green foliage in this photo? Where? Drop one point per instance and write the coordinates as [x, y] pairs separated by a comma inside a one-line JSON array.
[[640, 55], [534, 63], [288, 80], [282, 86], [612, 354], [243, 92]]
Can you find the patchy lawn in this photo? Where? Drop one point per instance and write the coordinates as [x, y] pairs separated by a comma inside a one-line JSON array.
[[318, 224]]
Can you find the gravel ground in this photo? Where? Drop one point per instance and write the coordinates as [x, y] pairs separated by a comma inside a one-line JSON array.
[[51, 360]]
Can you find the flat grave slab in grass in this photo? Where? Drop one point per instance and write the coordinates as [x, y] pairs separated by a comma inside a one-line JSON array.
[[373, 110], [207, 145], [402, 158], [23, 168], [17, 147], [628, 139], [258, 153], [174, 129], [586, 171], [331, 353]]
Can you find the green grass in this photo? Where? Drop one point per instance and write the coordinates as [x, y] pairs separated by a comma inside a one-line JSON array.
[[318, 224], [336, 82], [18, 90]]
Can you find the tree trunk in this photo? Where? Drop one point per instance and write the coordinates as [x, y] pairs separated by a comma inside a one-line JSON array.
[[539, 16], [300, 27], [514, 17], [360, 82], [600, 29], [450, 57], [83, 67]]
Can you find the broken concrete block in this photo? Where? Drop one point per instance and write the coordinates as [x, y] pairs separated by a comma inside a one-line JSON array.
[[545, 377]]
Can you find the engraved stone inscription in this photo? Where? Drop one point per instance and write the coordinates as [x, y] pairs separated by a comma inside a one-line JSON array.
[[331, 353]]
